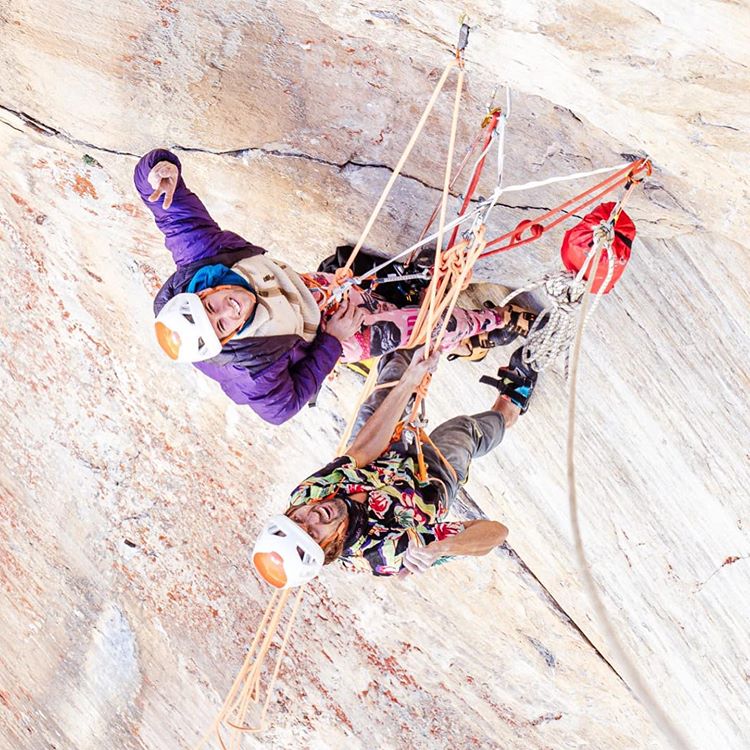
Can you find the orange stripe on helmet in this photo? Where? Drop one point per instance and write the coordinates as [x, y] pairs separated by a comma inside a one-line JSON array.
[[168, 340], [270, 567]]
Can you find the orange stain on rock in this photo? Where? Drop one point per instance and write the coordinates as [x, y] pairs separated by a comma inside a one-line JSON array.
[[152, 281], [388, 665], [129, 208], [166, 5], [21, 202], [84, 187], [391, 697]]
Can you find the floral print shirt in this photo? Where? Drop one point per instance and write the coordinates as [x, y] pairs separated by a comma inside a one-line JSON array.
[[399, 508]]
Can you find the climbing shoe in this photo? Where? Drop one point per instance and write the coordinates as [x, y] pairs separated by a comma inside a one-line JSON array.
[[475, 348], [516, 381]]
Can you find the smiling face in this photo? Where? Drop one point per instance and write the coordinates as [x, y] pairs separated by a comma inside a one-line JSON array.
[[228, 308], [320, 520]]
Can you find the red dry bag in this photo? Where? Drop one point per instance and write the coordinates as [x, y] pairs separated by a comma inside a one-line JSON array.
[[578, 241]]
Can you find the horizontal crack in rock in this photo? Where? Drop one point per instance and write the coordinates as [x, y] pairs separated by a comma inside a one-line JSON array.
[[44, 129], [306, 157], [48, 130]]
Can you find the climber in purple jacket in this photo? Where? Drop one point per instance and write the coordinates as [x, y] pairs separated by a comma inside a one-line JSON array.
[[252, 323]]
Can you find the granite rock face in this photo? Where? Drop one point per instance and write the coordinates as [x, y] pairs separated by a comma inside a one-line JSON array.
[[131, 489]]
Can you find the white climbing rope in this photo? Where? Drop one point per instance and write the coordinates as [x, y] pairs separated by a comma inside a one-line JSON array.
[[561, 178], [570, 297], [633, 678]]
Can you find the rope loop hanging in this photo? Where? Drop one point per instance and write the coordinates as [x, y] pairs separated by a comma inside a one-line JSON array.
[[231, 721]]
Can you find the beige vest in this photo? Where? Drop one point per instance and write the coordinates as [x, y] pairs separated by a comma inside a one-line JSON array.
[[285, 305]]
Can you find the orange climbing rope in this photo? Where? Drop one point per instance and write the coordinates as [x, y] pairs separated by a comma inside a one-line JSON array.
[[536, 227], [246, 688], [451, 276]]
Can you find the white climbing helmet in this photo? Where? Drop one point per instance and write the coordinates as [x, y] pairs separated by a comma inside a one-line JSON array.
[[184, 331], [284, 555]]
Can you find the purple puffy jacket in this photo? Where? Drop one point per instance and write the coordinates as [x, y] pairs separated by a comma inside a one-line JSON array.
[[274, 375]]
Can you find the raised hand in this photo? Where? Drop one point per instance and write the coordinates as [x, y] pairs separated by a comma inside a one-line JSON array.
[[163, 179]]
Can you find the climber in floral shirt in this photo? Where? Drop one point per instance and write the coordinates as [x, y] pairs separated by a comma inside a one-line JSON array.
[[397, 510], [370, 509]]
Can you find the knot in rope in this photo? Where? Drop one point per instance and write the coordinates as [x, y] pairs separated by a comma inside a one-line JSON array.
[[423, 387], [341, 275], [535, 230], [451, 260], [604, 234], [455, 263], [564, 289]]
